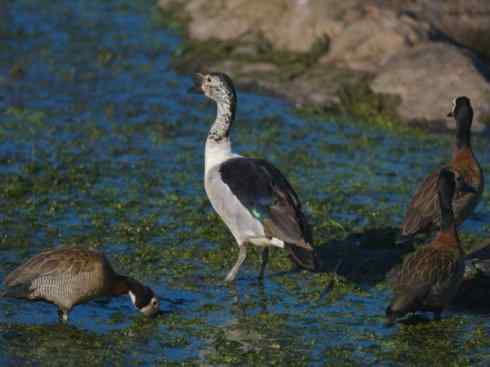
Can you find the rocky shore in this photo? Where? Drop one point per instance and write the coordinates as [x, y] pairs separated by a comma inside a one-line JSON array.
[[402, 60]]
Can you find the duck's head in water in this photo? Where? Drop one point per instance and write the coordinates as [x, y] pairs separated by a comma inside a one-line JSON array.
[[144, 300]]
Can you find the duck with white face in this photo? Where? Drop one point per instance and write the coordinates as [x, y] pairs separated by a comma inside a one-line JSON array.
[[422, 215], [71, 276]]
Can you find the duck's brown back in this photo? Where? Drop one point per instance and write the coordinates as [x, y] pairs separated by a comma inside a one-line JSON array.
[[66, 276], [423, 213]]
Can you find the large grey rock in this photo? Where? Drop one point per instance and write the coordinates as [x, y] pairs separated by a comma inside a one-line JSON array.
[[377, 35], [427, 78], [293, 25], [461, 20], [392, 40]]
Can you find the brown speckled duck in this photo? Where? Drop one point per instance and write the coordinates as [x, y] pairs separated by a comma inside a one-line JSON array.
[[429, 278], [423, 212], [71, 276]]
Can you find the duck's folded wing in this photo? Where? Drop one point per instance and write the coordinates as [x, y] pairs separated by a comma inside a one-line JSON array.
[[424, 207], [60, 261], [429, 266], [268, 196]]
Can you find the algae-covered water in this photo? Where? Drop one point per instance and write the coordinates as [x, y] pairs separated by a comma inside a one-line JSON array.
[[100, 145]]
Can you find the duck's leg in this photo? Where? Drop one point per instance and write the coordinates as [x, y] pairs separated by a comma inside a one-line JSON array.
[[63, 315], [241, 258], [265, 259]]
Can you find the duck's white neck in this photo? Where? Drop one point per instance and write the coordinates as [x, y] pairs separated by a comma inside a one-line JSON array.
[[217, 152], [218, 144]]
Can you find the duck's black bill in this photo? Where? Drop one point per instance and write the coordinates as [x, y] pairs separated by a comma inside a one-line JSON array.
[[196, 87], [450, 114]]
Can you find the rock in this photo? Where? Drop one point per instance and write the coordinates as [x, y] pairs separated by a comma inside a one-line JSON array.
[[411, 49], [292, 25], [461, 20], [369, 42], [427, 77]]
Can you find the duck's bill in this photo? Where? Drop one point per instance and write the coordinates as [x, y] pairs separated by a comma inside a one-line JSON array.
[[450, 114]]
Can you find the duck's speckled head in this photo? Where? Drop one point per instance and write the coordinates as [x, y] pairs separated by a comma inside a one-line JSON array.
[[145, 301], [216, 86]]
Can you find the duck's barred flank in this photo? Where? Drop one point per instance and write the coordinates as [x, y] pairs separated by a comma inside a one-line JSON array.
[[63, 288]]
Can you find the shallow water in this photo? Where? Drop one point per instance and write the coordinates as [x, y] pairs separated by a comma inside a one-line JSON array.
[[100, 145]]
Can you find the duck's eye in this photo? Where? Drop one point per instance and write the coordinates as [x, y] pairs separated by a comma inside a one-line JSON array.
[[208, 79]]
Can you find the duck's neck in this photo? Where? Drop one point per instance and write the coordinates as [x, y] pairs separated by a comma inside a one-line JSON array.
[[448, 233], [463, 135], [220, 131], [127, 285], [448, 237], [124, 285], [218, 144]]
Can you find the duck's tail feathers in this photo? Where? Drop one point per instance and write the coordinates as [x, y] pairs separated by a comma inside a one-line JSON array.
[[14, 292]]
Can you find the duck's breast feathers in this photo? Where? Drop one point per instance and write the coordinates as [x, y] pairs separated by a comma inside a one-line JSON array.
[[267, 195], [465, 163], [67, 261]]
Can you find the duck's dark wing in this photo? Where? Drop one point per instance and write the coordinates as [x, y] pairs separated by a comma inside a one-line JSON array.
[[268, 196], [70, 261], [424, 213]]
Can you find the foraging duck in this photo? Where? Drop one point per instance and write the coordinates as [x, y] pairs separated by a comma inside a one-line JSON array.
[[423, 212], [251, 196], [71, 276], [429, 278]]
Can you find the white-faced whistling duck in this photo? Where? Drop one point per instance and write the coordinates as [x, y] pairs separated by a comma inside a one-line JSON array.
[[423, 212], [429, 278]]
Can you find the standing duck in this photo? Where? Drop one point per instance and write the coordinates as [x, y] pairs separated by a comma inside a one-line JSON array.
[[423, 212], [71, 276], [251, 196], [429, 278]]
